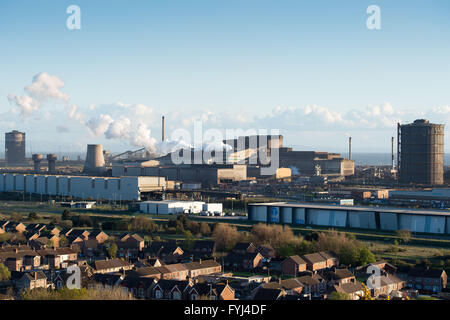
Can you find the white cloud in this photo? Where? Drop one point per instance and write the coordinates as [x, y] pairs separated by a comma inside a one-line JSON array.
[[47, 87]]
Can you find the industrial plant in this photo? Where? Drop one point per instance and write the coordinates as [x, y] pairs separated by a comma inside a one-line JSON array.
[[301, 177]]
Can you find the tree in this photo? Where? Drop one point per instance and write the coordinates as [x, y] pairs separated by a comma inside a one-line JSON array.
[[16, 217], [112, 250], [365, 256], [225, 236], [33, 216], [66, 215], [189, 240], [5, 274], [67, 224], [339, 296], [405, 235], [63, 242], [205, 230]]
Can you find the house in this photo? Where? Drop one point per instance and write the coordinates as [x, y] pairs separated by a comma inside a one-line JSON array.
[[315, 261], [263, 294], [16, 227], [170, 289], [167, 251], [90, 248], [31, 261], [151, 262], [210, 291], [98, 235], [266, 251], [202, 267], [337, 276], [3, 224], [331, 259], [145, 272], [108, 280], [246, 261], [387, 283], [312, 285], [72, 234], [383, 266], [58, 258], [32, 280], [428, 280], [354, 289], [130, 246], [138, 287], [243, 248], [14, 263], [174, 271], [111, 265], [35, 228], [293, 265], [204, 248]]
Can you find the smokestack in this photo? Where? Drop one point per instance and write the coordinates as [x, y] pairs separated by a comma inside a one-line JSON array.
[[51, 158], [163, 129], [392, 151], [95, 161], [37, 158], [350, 148]]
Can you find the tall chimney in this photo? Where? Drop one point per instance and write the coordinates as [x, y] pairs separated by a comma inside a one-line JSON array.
[[392, 151], [350, 148], [163, 129]]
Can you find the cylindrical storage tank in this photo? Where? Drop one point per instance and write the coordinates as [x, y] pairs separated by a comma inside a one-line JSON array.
[[361, 219], [95, 162], [274, 214], [421, 153], [388, 221], [286, 215], [260, 214], [51, 158], [299, 216], [15, 147]]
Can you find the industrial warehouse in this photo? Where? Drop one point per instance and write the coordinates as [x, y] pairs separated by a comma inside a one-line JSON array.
[[83, 187], [341, 216]]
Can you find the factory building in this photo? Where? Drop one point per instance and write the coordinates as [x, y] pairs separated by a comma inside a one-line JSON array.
[[178, 207], [421, 153], [310, 163], [15, 147], [374, 218], [207, 175], [84, 187]]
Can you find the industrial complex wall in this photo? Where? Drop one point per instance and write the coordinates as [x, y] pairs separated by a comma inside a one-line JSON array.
[[123, 188], [376, 218]]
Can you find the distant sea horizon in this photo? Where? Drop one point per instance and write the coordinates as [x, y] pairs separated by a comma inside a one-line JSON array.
[[361, 158]]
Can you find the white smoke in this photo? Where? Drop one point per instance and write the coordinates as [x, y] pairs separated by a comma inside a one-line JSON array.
[[26, 105]]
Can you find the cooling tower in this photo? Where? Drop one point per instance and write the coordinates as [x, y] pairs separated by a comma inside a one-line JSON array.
[[37, 158], [51, 158], [95, 161]]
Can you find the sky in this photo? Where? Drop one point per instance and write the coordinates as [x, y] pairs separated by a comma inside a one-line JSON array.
[[311, 69]]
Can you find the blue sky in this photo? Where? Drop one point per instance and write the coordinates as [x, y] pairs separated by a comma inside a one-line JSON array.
[[264, 60]]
